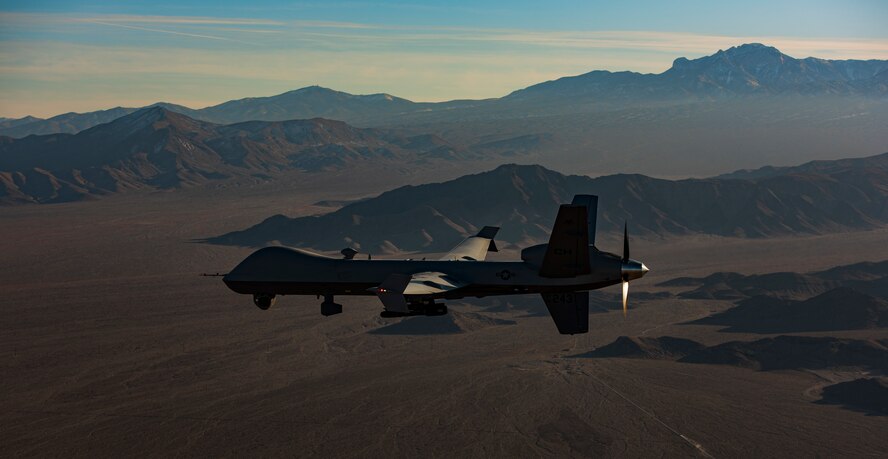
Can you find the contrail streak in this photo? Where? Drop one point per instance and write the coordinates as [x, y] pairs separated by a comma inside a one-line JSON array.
[[171, 32]]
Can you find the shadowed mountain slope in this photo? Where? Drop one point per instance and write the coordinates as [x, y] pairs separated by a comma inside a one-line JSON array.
[[664, 347], [523, 201], [850, 297], [869, 395], [842, 308], [157, 148]]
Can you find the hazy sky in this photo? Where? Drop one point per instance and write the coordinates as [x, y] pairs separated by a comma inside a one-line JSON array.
[[59, 56]]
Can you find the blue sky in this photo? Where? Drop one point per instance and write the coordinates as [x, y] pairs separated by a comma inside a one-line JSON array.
[[80, 56]]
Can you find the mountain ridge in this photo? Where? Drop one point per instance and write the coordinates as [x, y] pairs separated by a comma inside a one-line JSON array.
[[745, 70], [523, 200], [864, 277], [158, 148], [741, 70]]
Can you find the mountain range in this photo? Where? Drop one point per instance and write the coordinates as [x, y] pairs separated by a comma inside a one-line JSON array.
[[867, 277], [157, 148], [748, 69], [741, 71], [523, 200]]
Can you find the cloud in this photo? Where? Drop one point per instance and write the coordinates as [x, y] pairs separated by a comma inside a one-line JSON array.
[[55, 18], [136, 19], [341, 34], [193, 27]]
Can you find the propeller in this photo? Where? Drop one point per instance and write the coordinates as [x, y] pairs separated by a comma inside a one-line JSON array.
[[625, 296], [625, 261], [625, 242], [630, 269]]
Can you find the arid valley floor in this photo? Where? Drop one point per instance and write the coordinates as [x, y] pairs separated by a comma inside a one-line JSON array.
[[111, 342]]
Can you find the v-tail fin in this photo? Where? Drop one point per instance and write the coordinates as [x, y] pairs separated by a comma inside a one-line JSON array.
[[567, 254], [570, 311]]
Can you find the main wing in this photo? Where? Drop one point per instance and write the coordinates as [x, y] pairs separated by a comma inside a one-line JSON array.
[[431, 283], [395, 290], [474, 248]]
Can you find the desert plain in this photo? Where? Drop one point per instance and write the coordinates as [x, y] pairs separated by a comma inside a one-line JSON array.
[[111, 343]]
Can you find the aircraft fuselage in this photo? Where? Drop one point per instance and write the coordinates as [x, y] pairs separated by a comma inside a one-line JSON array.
[[285, 271], [561, 271]]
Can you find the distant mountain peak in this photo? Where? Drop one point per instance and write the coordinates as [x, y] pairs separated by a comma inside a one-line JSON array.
[[312, 89], [381, 96], [749, 54], [149, 118], [521, 170], [153, 114], [746, 69], [751, 47], [755, 68], [513, 167], [141, 117], [756, 51]]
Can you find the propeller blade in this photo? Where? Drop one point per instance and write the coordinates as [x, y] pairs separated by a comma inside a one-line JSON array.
[[625, 297], [625, 242]]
